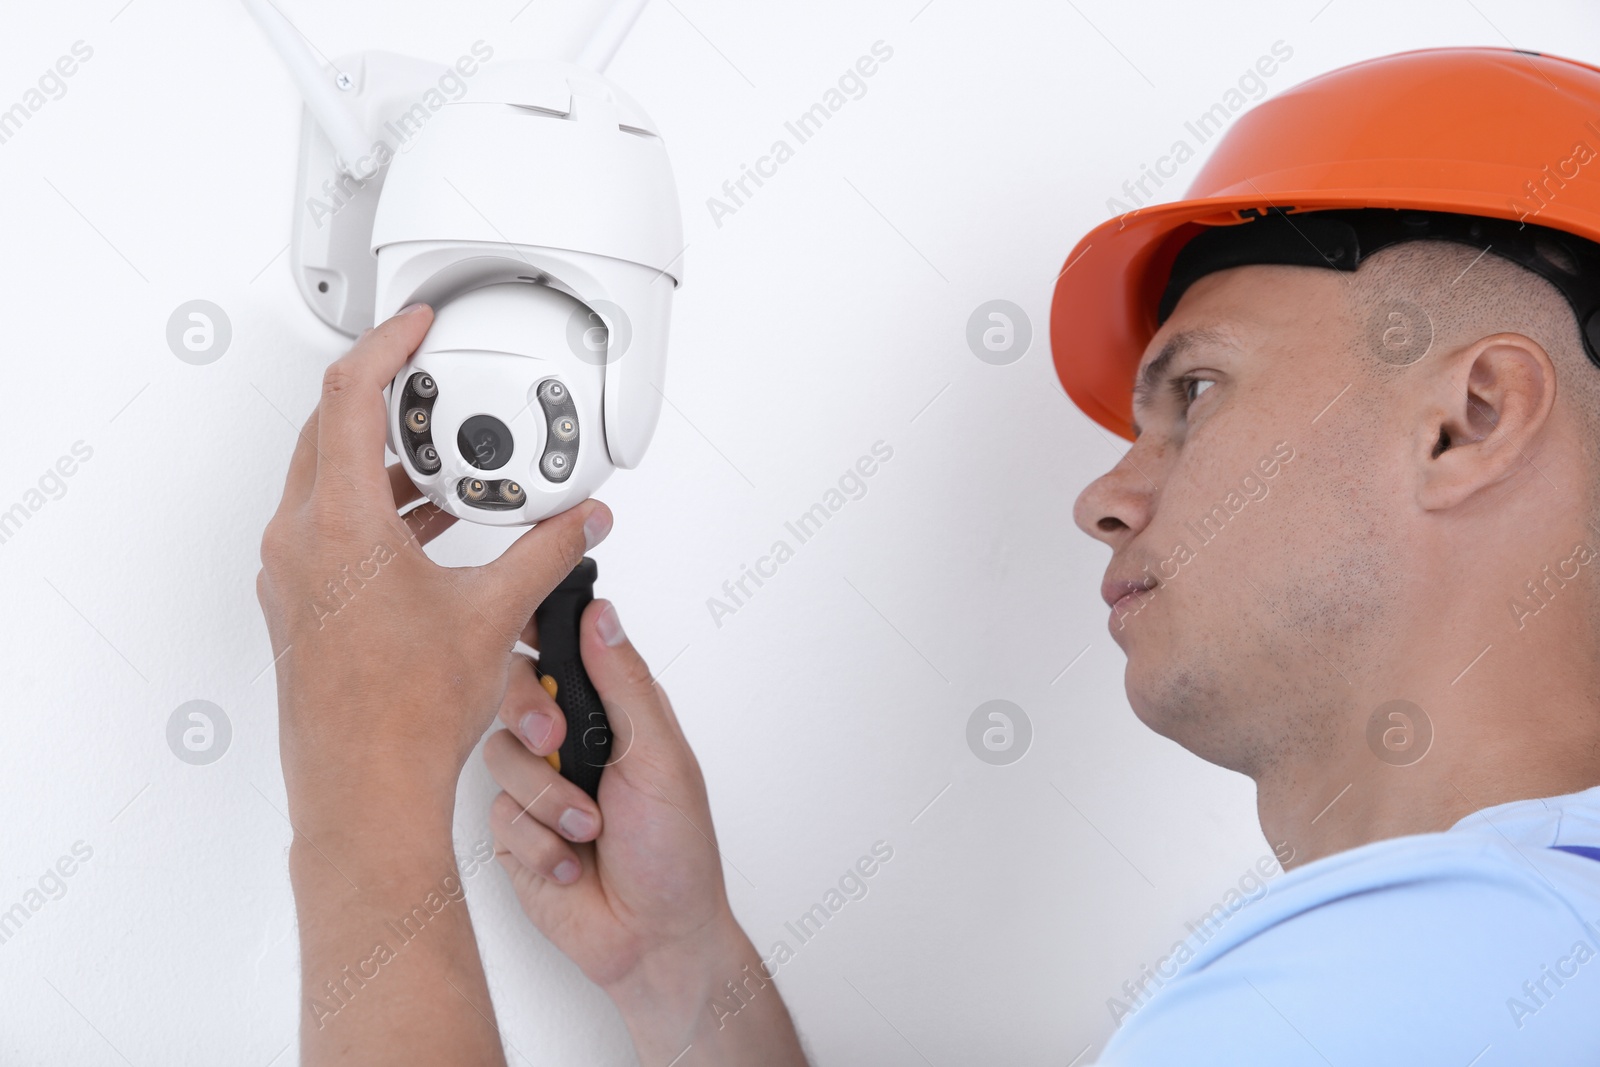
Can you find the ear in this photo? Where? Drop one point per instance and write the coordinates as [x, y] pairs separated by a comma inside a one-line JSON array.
[[1492, 402]]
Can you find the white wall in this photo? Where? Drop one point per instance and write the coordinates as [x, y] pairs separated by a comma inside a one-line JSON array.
[[822, 317]]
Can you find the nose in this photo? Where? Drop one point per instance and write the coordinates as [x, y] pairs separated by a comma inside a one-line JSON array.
[[1116, 506]]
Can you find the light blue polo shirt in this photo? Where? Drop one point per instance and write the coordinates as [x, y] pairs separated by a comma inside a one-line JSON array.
[[1475, 947]]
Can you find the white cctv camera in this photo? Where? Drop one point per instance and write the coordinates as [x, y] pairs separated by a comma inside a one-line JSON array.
[[532, 205]]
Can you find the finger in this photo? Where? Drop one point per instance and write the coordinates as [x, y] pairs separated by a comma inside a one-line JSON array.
[[635, 704], [670, 713], [536, 562], [427, 522], [523, 880], [532, 888], [530, 844], [543, 795], [350, 434], [302, 465], [529, 711]]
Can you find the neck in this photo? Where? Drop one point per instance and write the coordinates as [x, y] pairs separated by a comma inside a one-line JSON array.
[[1521, 723]]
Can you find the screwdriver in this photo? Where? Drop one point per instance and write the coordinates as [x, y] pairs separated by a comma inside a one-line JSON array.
[[587, 747]]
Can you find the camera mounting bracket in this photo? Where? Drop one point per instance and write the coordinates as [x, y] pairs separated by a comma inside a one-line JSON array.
[[330, 253]]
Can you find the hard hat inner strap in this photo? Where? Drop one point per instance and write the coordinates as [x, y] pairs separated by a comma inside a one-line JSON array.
[[1343, 239]]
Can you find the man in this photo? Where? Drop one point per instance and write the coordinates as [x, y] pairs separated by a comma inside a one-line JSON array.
[[1353, 555]]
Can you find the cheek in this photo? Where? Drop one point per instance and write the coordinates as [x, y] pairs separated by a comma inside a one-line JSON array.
[[1232, 521], [1329, 550]]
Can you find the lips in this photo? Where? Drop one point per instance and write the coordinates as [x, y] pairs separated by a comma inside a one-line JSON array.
[[1115, 591]]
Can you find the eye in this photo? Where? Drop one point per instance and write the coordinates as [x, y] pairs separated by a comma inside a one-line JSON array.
[[1188, 389]]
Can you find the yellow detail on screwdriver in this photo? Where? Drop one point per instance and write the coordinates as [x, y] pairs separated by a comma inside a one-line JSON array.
[[549, 683]]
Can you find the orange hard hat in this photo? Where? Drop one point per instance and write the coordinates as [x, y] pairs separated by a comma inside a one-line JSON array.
[[1492, 132]]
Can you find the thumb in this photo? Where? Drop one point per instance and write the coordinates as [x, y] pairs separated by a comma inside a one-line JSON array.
[[536, 562], [644, 731]]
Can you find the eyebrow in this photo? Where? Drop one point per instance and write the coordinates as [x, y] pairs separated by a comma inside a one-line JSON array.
[[1150, 378]]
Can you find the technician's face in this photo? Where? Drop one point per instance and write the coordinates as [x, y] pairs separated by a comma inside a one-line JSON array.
[[1255, 511]]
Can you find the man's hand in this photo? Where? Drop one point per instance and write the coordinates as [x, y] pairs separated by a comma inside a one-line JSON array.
[[389, 669], [639, 901], [390, 666]]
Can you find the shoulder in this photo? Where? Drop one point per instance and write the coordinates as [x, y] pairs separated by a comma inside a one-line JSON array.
[[1422, 949]]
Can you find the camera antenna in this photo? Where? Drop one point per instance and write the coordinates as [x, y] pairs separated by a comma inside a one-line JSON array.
[[597, 52], [351, 147]]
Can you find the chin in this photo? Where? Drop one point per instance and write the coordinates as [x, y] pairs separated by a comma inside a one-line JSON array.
[[1182, 704]]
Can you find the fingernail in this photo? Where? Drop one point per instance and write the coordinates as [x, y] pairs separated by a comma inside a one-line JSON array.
[[609, 625], [409, 308], [566, 872], [576, 824], [535, 728], [595, 527]]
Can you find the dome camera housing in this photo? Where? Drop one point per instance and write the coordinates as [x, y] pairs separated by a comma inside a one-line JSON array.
[[541, 222], [533, 208]]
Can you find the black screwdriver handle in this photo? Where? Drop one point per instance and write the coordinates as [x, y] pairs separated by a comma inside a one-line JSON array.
[[587, 746]]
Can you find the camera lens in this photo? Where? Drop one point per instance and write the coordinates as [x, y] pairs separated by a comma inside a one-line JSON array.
[[485, 442]]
